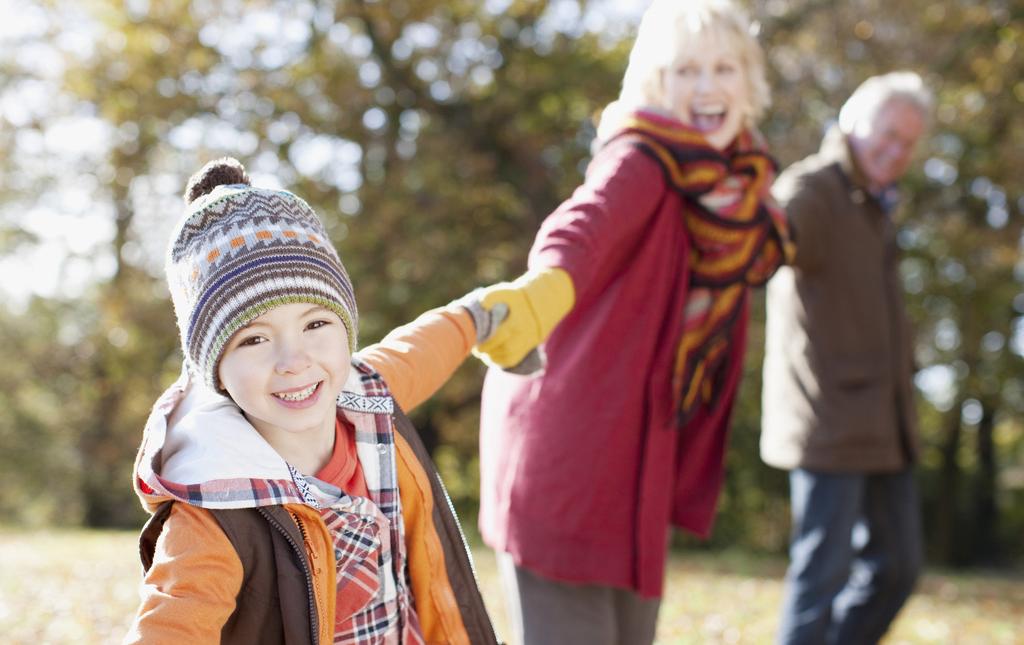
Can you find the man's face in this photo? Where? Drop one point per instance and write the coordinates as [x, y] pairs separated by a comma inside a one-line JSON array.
[[884, 145]]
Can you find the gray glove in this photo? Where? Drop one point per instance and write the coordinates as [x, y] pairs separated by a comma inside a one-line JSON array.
[[487, 322]]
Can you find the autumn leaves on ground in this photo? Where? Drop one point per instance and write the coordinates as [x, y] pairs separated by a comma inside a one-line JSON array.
[[80, 587]]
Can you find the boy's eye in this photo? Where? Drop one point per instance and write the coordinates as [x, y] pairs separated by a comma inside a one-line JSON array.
[[687, 70], [317, 324], [251, 340], [725, 68]]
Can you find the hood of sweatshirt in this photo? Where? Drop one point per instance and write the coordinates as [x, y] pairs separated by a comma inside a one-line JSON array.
[[198, 447]]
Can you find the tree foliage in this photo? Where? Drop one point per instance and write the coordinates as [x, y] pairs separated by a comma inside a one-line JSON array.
[[433, 137]]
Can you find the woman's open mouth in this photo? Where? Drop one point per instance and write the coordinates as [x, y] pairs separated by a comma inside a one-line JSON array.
[[708, 118]]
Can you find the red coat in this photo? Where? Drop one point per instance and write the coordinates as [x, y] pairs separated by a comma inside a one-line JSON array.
[[584, 467]]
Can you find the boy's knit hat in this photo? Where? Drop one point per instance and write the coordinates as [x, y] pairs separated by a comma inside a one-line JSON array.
[[240, 251]]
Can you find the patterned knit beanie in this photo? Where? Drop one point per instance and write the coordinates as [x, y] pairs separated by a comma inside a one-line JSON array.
[[240, 251]]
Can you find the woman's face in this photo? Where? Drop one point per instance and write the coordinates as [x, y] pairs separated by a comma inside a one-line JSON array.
[[706, 88]]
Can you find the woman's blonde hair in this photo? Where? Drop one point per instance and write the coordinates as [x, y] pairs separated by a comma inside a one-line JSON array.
[[668, 27]]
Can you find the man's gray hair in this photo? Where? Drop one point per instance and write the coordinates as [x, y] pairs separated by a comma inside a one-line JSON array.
[[879, 90]]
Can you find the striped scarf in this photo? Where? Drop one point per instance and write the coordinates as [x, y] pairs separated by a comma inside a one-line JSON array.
[[738, 238]]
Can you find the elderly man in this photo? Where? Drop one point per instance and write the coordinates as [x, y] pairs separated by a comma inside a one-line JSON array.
[[838, 404]]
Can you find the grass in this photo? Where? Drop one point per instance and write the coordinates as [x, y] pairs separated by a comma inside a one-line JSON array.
[[80, 587]]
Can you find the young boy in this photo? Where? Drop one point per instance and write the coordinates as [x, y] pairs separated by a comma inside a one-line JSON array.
[[291, 499]]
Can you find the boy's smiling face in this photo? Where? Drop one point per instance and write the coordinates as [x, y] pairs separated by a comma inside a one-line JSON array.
[[706, 88], [285, 370]]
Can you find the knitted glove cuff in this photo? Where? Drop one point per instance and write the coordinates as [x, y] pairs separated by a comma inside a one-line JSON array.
[[486, 321]]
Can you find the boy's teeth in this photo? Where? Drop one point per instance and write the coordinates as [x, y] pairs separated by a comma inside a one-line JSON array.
[[298, 395]]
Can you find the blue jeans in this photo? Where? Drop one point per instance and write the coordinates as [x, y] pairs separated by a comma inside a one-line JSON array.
[[855, 556]]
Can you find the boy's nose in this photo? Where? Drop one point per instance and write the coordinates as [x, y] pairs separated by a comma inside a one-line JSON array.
[[292, 360]]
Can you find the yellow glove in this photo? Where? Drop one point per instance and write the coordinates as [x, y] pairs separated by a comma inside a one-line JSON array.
[[536, 301]]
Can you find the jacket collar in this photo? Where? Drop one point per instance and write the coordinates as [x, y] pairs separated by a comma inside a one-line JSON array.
[[835, 147], [180, 458]]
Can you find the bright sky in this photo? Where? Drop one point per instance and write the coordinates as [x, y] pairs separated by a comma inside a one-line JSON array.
[[65, 220]]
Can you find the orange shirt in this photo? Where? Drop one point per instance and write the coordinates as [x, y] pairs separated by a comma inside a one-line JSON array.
[[343, 469]]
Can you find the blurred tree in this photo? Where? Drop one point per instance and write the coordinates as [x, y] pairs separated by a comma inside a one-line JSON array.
[[387, 119], [433, 137]]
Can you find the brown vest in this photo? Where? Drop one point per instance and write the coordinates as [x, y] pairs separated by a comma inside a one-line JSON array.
[[275, 602]]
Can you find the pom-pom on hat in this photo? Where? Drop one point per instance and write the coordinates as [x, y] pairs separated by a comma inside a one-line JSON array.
[[240, 251]]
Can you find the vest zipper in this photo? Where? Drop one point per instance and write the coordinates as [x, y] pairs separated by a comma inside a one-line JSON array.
[[305, 537], [312, 554], [301, 551]]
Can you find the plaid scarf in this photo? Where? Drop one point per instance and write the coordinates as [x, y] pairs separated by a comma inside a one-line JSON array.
[[367, 533], [738, 237]]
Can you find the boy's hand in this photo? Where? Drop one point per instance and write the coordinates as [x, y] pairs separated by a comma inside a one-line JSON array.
[[536, 302]]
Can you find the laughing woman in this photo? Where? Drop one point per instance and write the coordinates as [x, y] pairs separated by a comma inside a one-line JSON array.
[[638, 286]]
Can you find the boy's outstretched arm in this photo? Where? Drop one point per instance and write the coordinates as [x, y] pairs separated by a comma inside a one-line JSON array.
[[417, 358]]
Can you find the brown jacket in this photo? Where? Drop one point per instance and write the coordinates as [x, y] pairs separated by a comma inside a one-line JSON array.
[[838, 362]]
